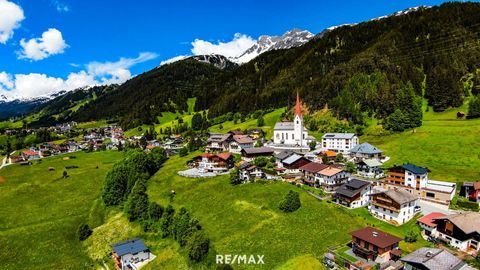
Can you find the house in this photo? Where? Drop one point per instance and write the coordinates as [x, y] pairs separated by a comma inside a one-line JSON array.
[[415, 180], [339, 142], [239, 142], [328, 176], [471, 190], [332, 177], [30, 154], [293, 163], [249, 154], [433, 259], [311, 174], [370, 168], [128, 253], [407, 175], [375, 245], [353, 194], [365, 151], [329, 154], [248, 172], [396, 206], [461, 231], [213, 162], [281, 156], [218, 142], [236, 132], [429, 228]]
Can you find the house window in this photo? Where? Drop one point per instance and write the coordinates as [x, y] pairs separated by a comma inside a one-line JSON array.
[[366, 245], [375, 248], [358, 241]]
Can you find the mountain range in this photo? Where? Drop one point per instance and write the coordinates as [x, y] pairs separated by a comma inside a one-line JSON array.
[[351, 69]]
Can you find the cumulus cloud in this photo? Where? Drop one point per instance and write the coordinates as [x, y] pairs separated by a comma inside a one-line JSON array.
[[50, 43], [96, 73], [11, 15], [238, 45], [233, 48]]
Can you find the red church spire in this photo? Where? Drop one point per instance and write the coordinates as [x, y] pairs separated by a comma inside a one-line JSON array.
[[298, 108]]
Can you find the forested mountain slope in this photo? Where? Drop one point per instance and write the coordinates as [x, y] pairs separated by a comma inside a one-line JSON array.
[[376, 67]]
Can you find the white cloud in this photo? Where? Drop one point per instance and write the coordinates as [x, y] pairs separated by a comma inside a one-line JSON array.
[[60, 6], [36, 84], [10, 17], [50, 43], [238, 45], [235, 47], [173, 59]]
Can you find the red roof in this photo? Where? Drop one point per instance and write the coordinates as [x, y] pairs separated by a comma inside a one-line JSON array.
[[376, 237], [428, 219], [207, 155], [224, 156], [30, 153], [330, 153], [298, 108]]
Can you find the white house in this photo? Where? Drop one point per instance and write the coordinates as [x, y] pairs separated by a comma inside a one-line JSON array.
[[240, 142], [370, 168], [339, 142], [249, 171], [353, 194], [128, 253], [428, 225], [396, 206]]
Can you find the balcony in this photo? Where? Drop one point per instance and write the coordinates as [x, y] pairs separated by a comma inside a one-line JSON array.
[[357, 249], [388, 207]]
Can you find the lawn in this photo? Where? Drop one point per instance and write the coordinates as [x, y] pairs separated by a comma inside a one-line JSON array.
[[270, 120], [41, 211], [245, 219], [448, 147]]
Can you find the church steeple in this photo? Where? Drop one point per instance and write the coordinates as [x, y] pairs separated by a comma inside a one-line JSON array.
[[298, 109]]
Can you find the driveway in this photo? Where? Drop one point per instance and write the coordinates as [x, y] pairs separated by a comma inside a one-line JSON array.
[[429, 207]]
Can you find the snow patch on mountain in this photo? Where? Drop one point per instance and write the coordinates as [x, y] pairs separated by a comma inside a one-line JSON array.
[[290, 39]]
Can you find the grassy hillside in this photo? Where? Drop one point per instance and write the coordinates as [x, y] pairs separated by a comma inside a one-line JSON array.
[[41, 211], [245, 220], [447, 146]]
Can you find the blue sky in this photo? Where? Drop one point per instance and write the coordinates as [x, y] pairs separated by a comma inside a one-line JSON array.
[[112, 40]]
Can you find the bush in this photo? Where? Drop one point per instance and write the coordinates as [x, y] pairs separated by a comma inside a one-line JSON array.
[[291, 202], [197, 246], [411, 236], [83, 231], [467, 205], [183, 152]]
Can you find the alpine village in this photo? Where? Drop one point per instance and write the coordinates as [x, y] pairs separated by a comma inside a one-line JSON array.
[[354, 148]]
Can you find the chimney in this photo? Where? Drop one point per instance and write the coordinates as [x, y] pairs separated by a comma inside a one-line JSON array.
[[375, 234], [429, 254]]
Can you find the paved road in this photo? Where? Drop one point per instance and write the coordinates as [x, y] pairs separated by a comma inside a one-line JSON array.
[[6, 162], [428, 207]]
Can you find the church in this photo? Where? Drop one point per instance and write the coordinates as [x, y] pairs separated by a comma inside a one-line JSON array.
[[292, 135]]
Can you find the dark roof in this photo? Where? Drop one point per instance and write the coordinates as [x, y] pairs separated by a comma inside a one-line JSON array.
[[284, 154], [415, 169], [433, 258], [376, 237], [352, 188], [244, 165], [129, 247], [313, 167], [257, 150]]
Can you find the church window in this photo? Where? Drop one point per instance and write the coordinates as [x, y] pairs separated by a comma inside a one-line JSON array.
[[293, 136]]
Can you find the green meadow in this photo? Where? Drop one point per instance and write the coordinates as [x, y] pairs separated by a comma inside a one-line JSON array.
[[245, 219], [448, 146], [41, 211]]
